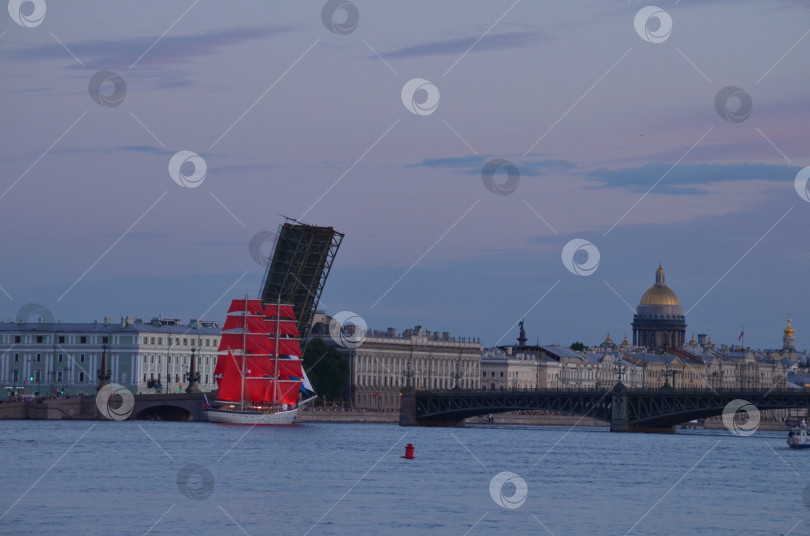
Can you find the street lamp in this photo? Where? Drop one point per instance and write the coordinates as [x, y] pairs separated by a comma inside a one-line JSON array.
[[65, 371], [667, 374], [408, 374], [14, 379], [457, 375]]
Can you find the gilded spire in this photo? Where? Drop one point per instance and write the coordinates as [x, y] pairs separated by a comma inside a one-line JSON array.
[[788, 329]]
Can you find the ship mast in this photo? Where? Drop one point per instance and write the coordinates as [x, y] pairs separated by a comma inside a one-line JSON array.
[[244, 350], [275, 374]]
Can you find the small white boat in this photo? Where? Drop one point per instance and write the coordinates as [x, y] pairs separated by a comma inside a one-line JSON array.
[[797, 437]]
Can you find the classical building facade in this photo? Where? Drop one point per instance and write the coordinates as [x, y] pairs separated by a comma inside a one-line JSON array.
[[143, 356], [659, 323], [435, 361]]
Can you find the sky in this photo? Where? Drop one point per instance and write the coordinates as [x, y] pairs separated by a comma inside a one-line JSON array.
[[460, 147]]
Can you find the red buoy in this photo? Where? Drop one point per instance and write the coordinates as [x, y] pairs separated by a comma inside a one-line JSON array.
[[408, 452]]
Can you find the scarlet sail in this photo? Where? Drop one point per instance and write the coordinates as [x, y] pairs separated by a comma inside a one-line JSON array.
[[259, 365]]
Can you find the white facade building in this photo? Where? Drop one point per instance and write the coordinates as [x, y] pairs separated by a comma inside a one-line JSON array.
[[145, 357]]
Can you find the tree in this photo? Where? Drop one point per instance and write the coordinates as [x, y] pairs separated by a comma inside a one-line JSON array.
[[578, 346], [327, 369]]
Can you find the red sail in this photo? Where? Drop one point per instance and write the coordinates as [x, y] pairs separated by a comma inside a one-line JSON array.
[[254, 324], [288, 391], [230, 381], [290, 367], [285, 327], [263, 390], [259, 365], [259, 390], [252, 306], [285, 346], [284, 311], [255, 343]]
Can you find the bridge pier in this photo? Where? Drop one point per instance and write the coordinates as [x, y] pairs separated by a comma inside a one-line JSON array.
[[407, 408]]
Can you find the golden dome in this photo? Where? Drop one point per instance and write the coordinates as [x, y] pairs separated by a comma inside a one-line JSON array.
[[788, 329], [660, 293], [608, 341]]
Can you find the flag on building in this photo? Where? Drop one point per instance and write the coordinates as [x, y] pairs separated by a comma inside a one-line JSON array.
[[741, 335]]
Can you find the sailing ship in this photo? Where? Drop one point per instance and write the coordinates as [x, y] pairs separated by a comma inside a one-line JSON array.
[[259, 369]]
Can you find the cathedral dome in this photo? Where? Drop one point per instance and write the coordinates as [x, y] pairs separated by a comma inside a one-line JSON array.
[[660, 293]]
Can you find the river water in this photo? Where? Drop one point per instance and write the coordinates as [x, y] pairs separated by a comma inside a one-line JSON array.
[[121, 478]]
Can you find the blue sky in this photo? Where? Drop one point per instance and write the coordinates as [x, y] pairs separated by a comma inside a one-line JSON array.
[[616, 139]]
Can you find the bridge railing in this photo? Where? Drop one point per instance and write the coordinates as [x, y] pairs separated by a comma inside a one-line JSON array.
[[634, 390]]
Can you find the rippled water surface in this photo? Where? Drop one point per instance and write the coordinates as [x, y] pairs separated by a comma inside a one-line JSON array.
[[344, 479]]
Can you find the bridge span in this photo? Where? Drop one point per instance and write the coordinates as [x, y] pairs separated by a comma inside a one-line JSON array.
[[625, 410]]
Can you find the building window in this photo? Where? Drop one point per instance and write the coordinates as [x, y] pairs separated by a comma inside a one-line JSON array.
[[81, 376], [501, 374], [81, 358], [144, 340], [152, 340], [39, 339], [59, 376], [158, 360], [16, 358], [59, 358], [83, 339], [61, 339], [39, 358], [160, 340], [184, 359], [185, 342], [206, 378], [105, 340], [151, 359], [17, 339], [144, 377]]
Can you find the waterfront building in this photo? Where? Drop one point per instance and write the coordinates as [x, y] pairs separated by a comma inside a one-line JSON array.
[[436, 361], [659, 323], [501, 370], [145, 357]]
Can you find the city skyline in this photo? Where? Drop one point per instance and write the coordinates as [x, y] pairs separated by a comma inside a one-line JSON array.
[[618, 140]]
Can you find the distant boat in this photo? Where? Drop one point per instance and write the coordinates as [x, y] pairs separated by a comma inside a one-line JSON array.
[[797, 437], [259, 369]]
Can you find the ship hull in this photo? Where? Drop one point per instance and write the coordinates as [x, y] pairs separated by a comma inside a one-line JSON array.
[[251, 417]]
